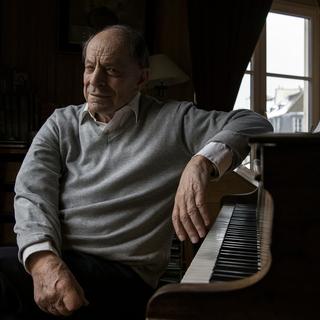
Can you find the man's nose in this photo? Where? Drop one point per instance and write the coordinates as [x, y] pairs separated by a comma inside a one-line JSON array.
[[98, 77]]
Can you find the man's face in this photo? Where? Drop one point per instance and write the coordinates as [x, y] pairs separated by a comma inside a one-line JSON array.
[[111, 77]]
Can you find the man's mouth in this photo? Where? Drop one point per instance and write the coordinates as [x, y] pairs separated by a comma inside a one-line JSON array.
[[99, 95]]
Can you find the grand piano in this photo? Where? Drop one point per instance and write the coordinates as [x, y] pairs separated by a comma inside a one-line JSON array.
[[261, 257]]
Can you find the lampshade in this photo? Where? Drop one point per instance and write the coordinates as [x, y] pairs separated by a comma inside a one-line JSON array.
[[164, 72]]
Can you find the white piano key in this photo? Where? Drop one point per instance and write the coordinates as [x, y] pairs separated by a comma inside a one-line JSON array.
[[201, 267]]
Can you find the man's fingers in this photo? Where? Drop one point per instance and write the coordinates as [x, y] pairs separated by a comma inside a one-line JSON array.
[[194, 211], [193, 215], [188, 226], [55, 307], [200, 203], [51, 308], [73, 301], [183, 222], [196, 222], [178, 227], [61, 308]]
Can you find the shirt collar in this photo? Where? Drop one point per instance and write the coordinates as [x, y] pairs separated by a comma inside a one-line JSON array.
[[132, 105]]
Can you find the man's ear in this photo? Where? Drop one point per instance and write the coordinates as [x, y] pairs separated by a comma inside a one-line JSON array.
[[144, 77]]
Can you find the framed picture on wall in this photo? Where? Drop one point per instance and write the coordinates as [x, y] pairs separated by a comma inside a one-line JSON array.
[[78, 19]]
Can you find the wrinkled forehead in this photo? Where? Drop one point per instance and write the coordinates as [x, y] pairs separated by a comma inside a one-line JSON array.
[[108, 43]]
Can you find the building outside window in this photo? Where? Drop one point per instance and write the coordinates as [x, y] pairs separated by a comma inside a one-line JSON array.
[[282, 79]]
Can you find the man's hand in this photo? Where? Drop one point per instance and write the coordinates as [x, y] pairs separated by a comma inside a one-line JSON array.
[[56, 290], [190, 215]]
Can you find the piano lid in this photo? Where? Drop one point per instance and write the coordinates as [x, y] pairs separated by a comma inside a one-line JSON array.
[[299, 138]]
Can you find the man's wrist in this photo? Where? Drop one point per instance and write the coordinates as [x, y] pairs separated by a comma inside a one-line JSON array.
[[206, 164], [37, 259], [220, 155]]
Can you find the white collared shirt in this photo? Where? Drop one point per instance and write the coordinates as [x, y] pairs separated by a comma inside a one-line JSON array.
[[119, 117]]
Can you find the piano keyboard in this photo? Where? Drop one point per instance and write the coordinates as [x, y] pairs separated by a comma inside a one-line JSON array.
[[239, 254], [231, 250]]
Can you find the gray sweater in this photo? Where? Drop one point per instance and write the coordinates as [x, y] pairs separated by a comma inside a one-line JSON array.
[[112, 194]]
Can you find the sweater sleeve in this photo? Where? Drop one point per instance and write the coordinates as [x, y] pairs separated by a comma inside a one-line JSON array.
[[36, 201], [200, 127]]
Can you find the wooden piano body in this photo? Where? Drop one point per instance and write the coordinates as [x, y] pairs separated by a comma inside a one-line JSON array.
[[288, 284]]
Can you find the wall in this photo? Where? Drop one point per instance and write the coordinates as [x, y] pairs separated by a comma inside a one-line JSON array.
[[28, 44]]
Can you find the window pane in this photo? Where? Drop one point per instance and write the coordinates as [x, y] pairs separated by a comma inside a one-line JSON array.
[[287, 104], [286, 43], [243, 98]]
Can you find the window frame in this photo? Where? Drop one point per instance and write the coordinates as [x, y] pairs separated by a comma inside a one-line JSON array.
[[258, 62]]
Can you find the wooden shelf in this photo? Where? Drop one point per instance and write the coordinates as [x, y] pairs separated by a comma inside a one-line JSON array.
[[11, 157]]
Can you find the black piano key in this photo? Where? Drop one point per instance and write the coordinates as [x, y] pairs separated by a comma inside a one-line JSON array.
[[224, 276], [232, 250], [239, 253], [236, 268], [241, 250], [244, 256], [245, 237], [240, 243], [238, 235], [242, 228], [240, 263]]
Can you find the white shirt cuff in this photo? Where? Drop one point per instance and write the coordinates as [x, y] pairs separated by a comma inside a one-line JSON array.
[[219, 154], [41, 246]]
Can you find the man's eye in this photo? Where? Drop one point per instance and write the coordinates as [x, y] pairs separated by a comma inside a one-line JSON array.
[[113, 71], [89, 68]]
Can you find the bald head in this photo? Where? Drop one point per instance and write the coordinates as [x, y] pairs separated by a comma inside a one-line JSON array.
[[125, 37]]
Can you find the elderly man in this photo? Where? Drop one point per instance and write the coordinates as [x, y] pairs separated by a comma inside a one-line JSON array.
[[105, 183]]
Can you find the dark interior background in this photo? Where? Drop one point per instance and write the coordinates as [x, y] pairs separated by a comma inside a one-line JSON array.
[[34, 61]]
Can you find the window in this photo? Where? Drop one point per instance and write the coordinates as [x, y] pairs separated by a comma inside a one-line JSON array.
[[282, 79]]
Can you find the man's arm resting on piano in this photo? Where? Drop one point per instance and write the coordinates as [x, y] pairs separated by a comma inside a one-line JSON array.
[[190, 214]]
